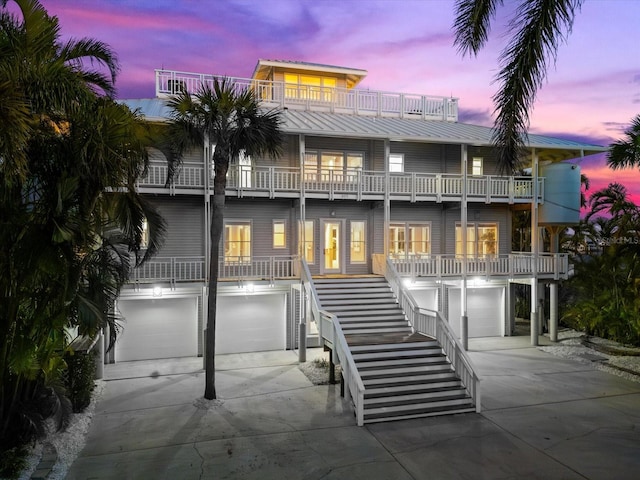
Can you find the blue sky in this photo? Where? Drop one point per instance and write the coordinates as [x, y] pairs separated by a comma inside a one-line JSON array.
[[591, 93]]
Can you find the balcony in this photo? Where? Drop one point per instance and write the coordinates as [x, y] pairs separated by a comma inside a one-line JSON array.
[[515, 265], [283, 182], [324, 99], [175, 270]]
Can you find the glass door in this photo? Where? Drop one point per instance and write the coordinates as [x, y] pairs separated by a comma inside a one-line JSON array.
[[332, 246]]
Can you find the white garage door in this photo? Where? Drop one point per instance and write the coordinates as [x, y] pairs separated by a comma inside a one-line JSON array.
[[250, 323], [158, 328], [485, 309]]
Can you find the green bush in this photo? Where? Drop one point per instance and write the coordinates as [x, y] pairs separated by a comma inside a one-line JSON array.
[[13, 462], [81, 370]]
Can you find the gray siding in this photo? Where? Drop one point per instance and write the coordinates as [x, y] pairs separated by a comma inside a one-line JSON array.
[[421, 213], [485, 214], [184, 217], [419, 157]]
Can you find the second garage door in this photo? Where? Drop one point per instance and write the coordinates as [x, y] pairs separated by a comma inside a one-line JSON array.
[[250, 323], [485, 309]]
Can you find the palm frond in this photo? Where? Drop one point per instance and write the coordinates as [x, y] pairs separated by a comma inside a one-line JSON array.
[[625, 153], [473, 23]]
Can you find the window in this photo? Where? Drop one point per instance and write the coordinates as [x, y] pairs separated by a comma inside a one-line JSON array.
[[308, 87], [279, 235], [244, 169], [396, 162], [476, 166], [358, 242], [237, 242], [409, 239], [332, 166], [482, 239], [305, 241]]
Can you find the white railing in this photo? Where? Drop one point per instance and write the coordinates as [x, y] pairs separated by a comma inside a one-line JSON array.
[[257, 268], [358, 184], [170, 269], [193, 269], [330, 331], [341, 100], [516, 264], [432, 323]]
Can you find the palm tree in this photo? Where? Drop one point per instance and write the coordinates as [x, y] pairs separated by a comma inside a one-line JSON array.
[[69, 213], [229, 120], [625, 153], [537, 28]]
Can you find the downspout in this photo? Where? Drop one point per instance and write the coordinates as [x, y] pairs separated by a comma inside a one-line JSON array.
[[464, 319]]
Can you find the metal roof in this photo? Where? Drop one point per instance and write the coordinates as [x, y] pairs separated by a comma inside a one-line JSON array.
[[394, 129]]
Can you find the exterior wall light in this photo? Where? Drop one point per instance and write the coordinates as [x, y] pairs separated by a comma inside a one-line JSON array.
[[157, 292]]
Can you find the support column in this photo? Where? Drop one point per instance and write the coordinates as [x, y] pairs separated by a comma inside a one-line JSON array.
[[553, 288], [535, 237], [387, 201], [464, 319], [302, 326]]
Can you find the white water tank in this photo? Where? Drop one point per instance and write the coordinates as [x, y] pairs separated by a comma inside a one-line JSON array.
[[561, 194]]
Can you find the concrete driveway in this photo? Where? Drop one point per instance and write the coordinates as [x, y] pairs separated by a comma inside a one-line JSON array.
[[543, 417]]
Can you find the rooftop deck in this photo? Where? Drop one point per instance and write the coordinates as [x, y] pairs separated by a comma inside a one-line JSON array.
[[354, 101]]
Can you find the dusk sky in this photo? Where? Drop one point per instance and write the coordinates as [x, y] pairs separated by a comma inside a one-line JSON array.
[[591, 94]]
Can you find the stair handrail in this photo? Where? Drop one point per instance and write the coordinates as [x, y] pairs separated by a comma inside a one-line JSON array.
[[438, 329], [354, 386]]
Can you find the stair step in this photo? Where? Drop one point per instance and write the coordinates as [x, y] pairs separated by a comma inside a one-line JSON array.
[[385, 391], [394, 372], [358, 300], [361, 315], [435, 395], [390, 347], [396, 354], [405, 380], [372, 331], [450, 410], [416, 408], [383, 308], [373, 324], [400, 362]]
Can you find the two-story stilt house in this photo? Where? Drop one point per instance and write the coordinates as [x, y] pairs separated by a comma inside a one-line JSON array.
[[370, 183]]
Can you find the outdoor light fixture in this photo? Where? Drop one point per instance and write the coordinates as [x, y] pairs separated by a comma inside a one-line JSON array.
[[407, 282], [249, 288], [157, 291]]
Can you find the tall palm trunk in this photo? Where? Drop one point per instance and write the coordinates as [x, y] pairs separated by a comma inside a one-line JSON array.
[[221, 161]]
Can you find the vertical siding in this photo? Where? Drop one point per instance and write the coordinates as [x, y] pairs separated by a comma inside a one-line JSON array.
[[452, 157], [293, 320]]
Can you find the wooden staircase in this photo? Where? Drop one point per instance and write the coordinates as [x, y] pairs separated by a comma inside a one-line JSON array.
[[405, 374]]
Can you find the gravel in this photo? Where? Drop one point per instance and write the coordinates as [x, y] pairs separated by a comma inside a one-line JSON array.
[[69, 443]]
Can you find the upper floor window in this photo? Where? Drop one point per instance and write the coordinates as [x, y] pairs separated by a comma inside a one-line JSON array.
[[396, 162], [279, 234], [332, 166], [309, 87], [476, 166], [482, 239], [409, 239], [237, 242]]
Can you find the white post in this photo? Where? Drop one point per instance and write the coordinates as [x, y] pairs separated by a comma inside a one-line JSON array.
[[464, 319], [302, 326], [387, 202], [553, 290], [534, 250]]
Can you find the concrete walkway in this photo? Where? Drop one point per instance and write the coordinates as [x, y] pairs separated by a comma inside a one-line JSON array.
[[543, 417]]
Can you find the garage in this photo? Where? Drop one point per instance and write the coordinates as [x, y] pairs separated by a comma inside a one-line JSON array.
[[157, 328], [250, 323], [485, 309]]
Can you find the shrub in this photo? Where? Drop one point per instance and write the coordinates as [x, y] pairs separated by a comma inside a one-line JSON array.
[[80, 378]]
